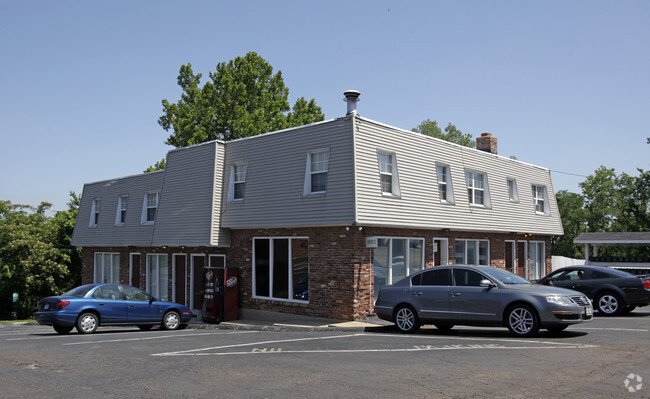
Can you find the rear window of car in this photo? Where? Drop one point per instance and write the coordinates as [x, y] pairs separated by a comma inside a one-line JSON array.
[[80, 291]]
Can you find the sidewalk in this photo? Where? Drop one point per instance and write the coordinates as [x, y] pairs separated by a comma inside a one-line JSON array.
[[257, 320]]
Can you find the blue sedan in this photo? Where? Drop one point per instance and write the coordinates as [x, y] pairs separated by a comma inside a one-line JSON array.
[[89, 306]]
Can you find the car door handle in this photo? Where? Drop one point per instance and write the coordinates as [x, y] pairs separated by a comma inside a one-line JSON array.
[[455, 294], [102, 304], [132, 305], [417, 293]]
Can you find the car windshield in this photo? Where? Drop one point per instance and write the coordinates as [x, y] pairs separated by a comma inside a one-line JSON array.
[[505, 276], [80, 291]]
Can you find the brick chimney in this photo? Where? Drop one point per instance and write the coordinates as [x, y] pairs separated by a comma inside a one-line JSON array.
[[487, 143]]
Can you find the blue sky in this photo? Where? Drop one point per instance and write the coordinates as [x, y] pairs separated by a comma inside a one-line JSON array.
[[561, 84]]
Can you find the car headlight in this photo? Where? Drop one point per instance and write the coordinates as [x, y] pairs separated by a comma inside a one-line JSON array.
[[559, 300]]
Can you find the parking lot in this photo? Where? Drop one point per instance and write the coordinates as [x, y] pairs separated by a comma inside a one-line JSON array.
[[590, 360]]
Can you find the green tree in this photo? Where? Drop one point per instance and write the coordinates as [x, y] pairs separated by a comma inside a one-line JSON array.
[[452, 134], [574, 216], [244, 98], [31, 264], [602, 199]]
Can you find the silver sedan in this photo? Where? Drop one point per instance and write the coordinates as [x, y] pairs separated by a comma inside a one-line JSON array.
[[479, 296]]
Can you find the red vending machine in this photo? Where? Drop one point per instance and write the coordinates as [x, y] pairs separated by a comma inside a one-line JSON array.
[[221, 295]]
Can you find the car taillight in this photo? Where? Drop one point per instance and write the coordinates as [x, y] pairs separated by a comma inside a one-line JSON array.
[[646, 284], [62, 304]]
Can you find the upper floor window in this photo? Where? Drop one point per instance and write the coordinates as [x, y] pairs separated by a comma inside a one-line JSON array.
[[94, 212], [477, 188], [149, 208], [388, 173], [120, 215], [512, 190], [237, 182], [444, 183], [540, 198], [316, 172]]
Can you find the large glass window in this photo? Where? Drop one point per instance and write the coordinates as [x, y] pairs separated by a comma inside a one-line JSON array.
[[281, 268], [472, 252], [396, 258], [106, 268], [537, 260], [158, 276]]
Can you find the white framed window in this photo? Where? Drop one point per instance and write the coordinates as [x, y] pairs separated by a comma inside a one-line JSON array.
[[149, 207], [316, 172], [477, 188], [513, 195], [158, 276], [94, 212], [537, 268], [281, 268], [445, 187], [472, 252], [237, 182], [106, 268], [120, 214], [395, 258], [540, 199], [388, 175]]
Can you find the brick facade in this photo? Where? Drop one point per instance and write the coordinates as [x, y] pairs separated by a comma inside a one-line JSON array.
[[340, 265]]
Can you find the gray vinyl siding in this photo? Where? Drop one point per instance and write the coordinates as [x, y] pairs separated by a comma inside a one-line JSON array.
[[183, 216], [107, 233], [276, 166], [419, 204]]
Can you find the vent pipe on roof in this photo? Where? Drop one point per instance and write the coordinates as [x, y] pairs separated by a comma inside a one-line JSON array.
[[351, 97]]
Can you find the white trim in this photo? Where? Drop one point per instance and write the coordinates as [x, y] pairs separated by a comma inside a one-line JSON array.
[[448, 183], [477, 254], [395, 190], [485, 189], [94, 212], [113, 279], [232, 182], [122, 199], [306, 192], [547, 209], [289, 272], [514, 198], [513, 244], [145, 214]]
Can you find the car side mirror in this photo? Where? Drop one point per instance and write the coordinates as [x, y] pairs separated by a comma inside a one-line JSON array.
[[487, 283]]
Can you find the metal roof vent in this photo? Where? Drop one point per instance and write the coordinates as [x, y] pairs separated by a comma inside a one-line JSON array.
[[351, 97]]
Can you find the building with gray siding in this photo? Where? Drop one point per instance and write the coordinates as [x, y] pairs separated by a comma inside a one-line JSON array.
[[317, 218]]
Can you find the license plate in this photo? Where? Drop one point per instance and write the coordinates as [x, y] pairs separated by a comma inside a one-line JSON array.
[[46, 306], [588, 311]]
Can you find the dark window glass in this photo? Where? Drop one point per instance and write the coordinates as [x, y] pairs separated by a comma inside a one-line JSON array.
[[262, 276], [597, 274], [281, 268], [467, 278], [436, 277]]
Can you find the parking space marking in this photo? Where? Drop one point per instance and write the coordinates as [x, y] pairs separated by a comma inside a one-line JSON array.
[[615, 329], [270, 347], [150, 338]]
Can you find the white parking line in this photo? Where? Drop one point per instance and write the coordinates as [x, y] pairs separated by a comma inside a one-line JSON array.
[[498, 344], [147, 338], [615, 329]]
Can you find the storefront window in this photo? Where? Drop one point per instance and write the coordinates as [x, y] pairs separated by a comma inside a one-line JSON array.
[[281, 268], [396, 258]]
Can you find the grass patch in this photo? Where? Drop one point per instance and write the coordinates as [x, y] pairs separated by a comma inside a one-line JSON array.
[[17, 321]]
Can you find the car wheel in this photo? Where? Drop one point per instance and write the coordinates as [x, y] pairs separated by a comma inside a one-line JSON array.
[[609, 304], [444, 327], [522, 320], [557, 329], [407, 320], [87, 323], [145, 327], [62, 329], [171, 320]]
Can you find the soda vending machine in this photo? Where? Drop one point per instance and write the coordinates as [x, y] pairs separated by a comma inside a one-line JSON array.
[[221, 298]]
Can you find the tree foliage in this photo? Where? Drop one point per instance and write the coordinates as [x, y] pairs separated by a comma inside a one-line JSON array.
[[36, 259], [451, 133], [608, 203], [244, 98]]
